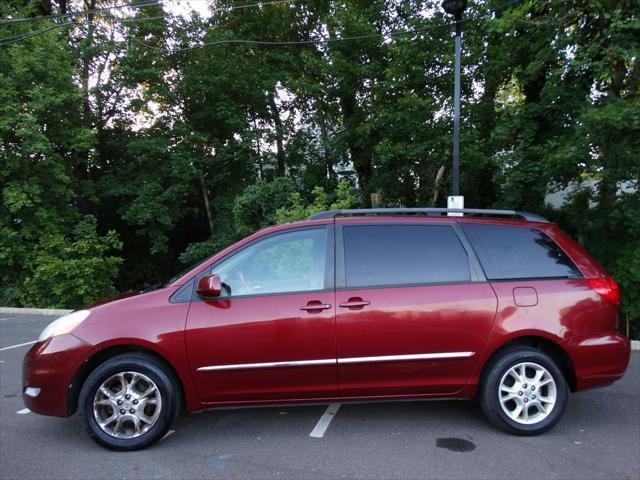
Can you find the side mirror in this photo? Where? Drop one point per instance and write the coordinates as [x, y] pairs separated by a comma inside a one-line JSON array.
[[209, 286]]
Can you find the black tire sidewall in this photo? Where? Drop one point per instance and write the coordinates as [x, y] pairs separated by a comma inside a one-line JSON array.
[[140, 364], [489, 395]]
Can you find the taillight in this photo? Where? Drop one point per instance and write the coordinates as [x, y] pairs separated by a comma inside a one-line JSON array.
[[607, 288]]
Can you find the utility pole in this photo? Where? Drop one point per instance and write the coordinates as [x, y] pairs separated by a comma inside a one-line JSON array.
[[456, 7]]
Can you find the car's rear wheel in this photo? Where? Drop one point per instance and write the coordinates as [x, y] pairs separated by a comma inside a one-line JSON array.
[[129, 402], [523, 391]]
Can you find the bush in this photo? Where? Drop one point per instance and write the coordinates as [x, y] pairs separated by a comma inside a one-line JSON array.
[[297, 210], [71, 272], [258, 205], [270, 203]]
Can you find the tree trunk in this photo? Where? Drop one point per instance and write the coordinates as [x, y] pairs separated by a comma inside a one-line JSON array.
[[259, 152], [324, 136], [280, 155], [81, 170], [205, 197], [608, 187], [360, 154]]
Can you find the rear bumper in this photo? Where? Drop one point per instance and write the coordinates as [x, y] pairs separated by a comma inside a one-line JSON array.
[[599, 359], [48, 369]]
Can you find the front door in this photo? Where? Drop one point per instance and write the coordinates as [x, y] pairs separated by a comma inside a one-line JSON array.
[[412, 312], [271, 334]]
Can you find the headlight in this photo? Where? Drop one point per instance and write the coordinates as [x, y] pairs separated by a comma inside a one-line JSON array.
[[63, 324]]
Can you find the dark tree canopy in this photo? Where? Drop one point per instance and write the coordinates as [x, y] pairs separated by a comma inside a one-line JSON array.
[[135, 140]]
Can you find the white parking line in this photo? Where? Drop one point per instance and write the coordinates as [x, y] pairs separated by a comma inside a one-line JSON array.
[[23, 411], [8, 318], [19, 345], [322, 425]]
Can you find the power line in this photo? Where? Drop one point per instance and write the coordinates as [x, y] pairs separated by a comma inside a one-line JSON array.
[[288, 43], [215, 10], [285, 43], [17, 38], [79, 14], [132, 5], [24, 36]]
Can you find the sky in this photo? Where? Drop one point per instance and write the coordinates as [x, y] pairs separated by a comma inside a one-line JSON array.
[[185, 7]]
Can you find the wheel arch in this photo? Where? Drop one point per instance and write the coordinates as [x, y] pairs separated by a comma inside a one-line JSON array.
[[105, 354], [544, 344]]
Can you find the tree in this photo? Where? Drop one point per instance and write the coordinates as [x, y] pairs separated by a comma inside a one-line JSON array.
[[43, 140], [138, 127]]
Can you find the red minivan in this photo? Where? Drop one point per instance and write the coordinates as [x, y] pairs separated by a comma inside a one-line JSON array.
[[349, 305]]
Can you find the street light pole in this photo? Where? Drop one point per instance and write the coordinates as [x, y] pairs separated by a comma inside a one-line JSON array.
[[456, 110], [456, 7]]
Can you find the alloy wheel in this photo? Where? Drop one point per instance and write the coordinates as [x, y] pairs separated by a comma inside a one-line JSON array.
[[527, 393], [127, 405]]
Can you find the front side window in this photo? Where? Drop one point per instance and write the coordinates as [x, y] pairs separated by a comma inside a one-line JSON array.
[[287, 262], [507, 252], [386, 255]]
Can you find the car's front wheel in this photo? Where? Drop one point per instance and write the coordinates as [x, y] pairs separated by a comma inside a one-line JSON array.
[[129, 402], [523, 391]]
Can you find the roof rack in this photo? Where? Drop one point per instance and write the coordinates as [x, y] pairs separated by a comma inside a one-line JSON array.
[[431, 212]]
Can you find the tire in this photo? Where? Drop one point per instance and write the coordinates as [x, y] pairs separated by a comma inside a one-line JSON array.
[[518, 412], [151, 408]]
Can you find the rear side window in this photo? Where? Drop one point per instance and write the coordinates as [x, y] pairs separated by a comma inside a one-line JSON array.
[[383, 255], [518, 252]]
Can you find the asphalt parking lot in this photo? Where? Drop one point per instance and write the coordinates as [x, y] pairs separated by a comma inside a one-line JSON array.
[[599, 437]]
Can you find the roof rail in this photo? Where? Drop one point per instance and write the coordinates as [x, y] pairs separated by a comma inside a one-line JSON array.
[[431, 212]]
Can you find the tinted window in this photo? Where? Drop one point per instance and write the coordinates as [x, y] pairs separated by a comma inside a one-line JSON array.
[[377, 255], [289, 262], [518, 252]]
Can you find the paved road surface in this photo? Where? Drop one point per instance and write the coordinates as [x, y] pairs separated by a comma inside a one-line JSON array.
[[599, 437]]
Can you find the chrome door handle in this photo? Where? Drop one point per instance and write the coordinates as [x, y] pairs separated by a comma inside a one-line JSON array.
[[317, 306], [359, 303]]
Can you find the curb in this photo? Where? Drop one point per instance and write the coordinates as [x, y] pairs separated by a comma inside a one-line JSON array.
[[635, 344], [35, 311]]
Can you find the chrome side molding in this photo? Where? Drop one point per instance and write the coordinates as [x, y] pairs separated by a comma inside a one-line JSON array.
[[248, 366], [396, 358], [339, 361]]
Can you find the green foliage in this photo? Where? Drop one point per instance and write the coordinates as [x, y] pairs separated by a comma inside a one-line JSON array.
[[50, 254], [255, 208], [613, 237], [299, 210], [261, 205], [258, 205], [196, 252], [71, 271], [182, 154]]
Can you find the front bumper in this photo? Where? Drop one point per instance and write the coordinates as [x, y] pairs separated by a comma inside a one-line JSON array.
[[599, 359], [50, 367]]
